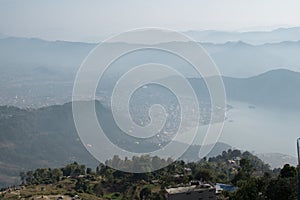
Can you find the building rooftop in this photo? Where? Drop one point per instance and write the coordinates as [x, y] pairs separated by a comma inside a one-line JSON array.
[[192, 188]]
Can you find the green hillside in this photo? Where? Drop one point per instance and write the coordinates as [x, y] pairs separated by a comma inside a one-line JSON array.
[[252, 178]]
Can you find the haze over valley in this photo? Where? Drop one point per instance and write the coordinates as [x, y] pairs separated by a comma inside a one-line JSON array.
[[260, 71]]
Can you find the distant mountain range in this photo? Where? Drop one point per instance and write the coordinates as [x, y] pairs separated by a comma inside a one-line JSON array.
[[252, 37], [273, 89], [38, 73], [277, 160], [234, 59]]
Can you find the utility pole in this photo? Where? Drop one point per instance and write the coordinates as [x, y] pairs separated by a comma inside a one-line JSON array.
[[298, 151]]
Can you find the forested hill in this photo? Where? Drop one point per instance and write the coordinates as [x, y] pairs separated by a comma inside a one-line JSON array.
[[46, 137], [249, 176]]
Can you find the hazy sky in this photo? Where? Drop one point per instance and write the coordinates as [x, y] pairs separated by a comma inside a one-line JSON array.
[[83, 20]]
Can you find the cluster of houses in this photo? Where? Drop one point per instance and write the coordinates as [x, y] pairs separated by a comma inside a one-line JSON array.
[[198, 190]]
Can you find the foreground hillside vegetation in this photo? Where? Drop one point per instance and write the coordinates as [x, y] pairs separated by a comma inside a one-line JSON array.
[[253, 179]]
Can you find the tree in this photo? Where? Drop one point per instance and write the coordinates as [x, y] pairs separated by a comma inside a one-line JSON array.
[[235, 153], [288, 172], [247, 167], [285, 186], [81, 185], [56, 175], [156, 162], [145, 193], [245, 171], [248, 190], [283, 189], [88, 170], [23, 177], [74, 170], [204, 175], [42, 175], [29, 177]]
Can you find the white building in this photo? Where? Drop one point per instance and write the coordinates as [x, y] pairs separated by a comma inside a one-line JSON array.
[[193, 192]]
